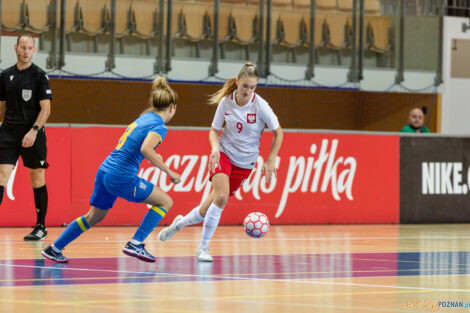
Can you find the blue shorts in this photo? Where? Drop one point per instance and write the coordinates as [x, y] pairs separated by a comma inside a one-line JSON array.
[[108, 187]]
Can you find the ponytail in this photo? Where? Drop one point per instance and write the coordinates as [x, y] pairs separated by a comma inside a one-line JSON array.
[[229, 87]]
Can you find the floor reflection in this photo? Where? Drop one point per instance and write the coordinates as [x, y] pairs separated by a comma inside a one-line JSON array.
[[26, 272]]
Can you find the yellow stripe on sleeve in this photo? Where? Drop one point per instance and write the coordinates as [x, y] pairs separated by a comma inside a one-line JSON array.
[[159, 210], [80, 223], [159, 136]]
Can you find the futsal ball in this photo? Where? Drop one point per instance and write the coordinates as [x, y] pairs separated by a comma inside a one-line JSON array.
[[256, 224]]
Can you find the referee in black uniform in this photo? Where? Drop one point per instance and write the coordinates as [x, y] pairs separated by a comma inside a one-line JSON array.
[[26, 96]]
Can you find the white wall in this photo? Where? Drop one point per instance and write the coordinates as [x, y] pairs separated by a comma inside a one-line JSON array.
[[193, 70], [456, 91]]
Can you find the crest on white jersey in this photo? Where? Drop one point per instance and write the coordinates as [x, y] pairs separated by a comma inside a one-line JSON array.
[[26, 94], [251, 118]]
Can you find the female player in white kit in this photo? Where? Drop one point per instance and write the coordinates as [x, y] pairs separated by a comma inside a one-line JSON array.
[[234, 155]]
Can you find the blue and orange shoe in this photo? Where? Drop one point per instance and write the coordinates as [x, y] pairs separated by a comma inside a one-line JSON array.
[[139, 252], [50, 254]]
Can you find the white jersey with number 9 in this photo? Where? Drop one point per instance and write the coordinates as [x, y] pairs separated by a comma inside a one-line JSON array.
[[241, 137]]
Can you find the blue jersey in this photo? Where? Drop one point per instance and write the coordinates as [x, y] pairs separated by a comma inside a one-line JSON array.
[[126, 157]]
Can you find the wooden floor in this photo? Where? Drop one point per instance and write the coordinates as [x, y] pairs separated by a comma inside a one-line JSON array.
[[341, 268]]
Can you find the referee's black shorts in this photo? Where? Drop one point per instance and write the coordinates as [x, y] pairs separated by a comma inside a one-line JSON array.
[[11, 149]]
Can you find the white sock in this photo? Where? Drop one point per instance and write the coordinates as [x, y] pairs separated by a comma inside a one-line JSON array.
[[135, 242], [193, 217], [55, 248], [210, 225]]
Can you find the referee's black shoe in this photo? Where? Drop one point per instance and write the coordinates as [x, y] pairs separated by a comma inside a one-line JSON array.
[[39, 233]]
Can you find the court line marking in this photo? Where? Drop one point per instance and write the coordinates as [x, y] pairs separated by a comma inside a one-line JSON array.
[[227, 277], [332, 255], [81, 304], [260, 279], [84, 303], [349, 257], [221, 275], [308, 305], [346, 256], [129, 294], [271, 239]]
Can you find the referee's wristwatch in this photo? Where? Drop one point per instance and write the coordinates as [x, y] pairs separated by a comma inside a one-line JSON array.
[[36, 127]]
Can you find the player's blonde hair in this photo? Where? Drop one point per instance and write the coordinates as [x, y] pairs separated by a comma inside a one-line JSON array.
[[248, 69], [161, 96]]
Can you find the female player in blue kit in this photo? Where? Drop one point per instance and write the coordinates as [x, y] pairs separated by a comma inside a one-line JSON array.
[[117, 177]]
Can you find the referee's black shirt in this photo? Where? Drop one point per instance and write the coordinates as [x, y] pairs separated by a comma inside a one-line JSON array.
[[22, 91]]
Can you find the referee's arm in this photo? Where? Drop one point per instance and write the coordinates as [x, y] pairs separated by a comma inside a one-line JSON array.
[[41, 120]]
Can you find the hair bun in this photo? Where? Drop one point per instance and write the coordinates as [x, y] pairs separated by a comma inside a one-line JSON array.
[[159, 83]]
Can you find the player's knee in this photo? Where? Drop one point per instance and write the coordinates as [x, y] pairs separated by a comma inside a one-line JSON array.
[[4, 176], [38, 183], [37, 179], [95, 216], [167, 203], [221, 200], [3, 180], [94, 219]]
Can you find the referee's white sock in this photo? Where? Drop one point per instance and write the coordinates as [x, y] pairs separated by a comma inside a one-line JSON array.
[[192, 218], [211, 221]]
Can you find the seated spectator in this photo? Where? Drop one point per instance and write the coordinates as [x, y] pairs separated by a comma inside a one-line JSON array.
[[416, 122]]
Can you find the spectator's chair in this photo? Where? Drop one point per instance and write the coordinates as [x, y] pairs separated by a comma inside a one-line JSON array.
[[244, 27], [88, 17], [337, 33], [193, 23], [378, 34]]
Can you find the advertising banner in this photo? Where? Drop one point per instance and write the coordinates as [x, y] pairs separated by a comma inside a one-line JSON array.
[[18, 207], [321, 178], [434, 181]]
